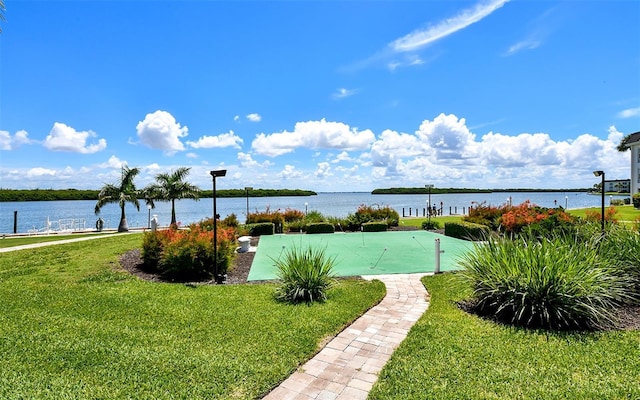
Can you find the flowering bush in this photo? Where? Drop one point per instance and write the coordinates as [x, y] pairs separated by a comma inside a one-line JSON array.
[[539, 220], [184, 255], [596, 216], [291, 215]]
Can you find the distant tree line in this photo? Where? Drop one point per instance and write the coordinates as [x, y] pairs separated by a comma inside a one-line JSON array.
[[257, 193], [77, 194], [47, 194], [436, 190]]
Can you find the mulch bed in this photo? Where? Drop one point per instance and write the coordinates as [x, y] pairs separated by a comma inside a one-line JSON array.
[[131, 262]]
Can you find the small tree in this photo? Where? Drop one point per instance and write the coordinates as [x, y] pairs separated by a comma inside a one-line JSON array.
[[122, 193], [169, 187]]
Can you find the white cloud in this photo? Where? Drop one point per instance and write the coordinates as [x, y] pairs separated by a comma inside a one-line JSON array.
[[423, 37], [159, 130], [113, 162], [38, 172], [313, 135], [448, 136], [289, 172], [246, 161], [228, 139], [629, 113], [323, 170], [344, 156], [192, 155], [341, 93], [236, 118], [65, 138], [254, 117], [11, 143], [527, 44]]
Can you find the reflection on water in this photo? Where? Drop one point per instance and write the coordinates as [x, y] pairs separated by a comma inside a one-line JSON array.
[[34, 215]]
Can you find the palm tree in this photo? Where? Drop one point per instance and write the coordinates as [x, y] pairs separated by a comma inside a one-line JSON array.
[[123, 193], [169, 187]]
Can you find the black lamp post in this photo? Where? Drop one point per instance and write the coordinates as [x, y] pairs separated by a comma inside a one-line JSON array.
[[601, 173], [246, 189], [149, 217], [428, 204], [217, 276]]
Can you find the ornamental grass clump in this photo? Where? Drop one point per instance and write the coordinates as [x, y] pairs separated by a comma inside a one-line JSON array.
[[306, 275], [555, 283]]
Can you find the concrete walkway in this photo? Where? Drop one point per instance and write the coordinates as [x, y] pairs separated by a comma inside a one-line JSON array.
[[348, 366]]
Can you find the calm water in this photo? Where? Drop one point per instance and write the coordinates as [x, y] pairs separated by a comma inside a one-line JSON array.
[[71, 214]]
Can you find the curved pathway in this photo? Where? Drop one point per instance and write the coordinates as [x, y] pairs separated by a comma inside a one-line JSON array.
[[348, 366]]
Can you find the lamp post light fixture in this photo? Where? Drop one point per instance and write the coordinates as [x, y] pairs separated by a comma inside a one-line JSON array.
[[246, 189], [430, 186], [601, 173], [306, 208], [149, 217], [216, 275]]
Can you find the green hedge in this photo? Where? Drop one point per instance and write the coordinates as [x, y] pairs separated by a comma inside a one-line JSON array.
[[374, 227], [320, 227], [262, 228], [466, 230]]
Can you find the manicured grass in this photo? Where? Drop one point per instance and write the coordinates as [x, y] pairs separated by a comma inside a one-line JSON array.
[[450, 354], [75, 326], [441, 220], [624, 213], [19, 241]]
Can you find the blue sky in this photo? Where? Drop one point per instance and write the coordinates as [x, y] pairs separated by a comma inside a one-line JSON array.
[[326, 96]]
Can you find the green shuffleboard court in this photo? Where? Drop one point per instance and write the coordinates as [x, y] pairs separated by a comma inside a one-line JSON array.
[[365, 253]]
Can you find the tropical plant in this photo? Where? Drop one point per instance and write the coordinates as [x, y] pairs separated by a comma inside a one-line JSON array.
[[171, 187], [305, 274], [555, 283], [122, 193]]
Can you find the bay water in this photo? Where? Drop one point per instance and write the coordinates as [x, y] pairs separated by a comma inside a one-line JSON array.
[[78, 214]]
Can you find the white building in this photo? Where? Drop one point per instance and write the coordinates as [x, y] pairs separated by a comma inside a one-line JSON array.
[[634, 145], [617, 185]]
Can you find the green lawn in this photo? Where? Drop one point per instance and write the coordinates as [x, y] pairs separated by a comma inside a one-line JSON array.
[[22, 240], [450, 354], [417, 222], [74, 326], [624, 213]]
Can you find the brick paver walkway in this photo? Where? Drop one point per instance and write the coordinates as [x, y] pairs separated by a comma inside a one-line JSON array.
[[348, 366]]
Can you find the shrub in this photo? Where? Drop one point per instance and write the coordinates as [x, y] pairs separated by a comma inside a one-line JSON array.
[[485, 215], [367, 213], [618, 202], [636, 200], [152, 246], [291, 215], [305, 275], [275, 217], [374, 227], [621, 248], [541, 221], [557, 283], [185, 255], [264, 228], [596, 216], [466, 230], [231, 220], [320, 227], [430, 225]]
